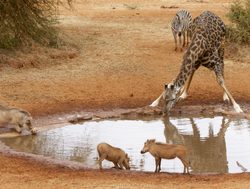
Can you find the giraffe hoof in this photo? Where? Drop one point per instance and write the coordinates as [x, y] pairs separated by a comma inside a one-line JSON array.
[[237, 108], [226, 102], [226, 99], [154, 104], [183, 96]]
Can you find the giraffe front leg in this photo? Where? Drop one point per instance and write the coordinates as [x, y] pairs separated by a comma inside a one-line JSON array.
[[156, 102], [157, 162], [184, 93], [236, 106], [226, 98]]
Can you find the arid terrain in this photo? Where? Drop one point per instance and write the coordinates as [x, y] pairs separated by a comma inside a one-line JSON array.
[[116, 54]]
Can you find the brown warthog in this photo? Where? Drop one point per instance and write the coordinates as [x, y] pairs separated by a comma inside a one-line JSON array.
[[19, 118], [165, 151], [113, 154]]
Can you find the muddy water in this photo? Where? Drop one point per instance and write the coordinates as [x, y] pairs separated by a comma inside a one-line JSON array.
[[215, 145]]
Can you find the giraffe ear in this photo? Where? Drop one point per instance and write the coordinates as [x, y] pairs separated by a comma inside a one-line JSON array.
[[166, 86], [169, 86]]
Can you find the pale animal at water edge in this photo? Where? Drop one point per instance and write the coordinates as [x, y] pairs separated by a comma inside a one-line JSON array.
[[17, 117]]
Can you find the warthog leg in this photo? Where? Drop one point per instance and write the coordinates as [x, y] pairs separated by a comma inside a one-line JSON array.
[[120, 164], [157, 164], [116, 166], [100, 160], [186, 165]]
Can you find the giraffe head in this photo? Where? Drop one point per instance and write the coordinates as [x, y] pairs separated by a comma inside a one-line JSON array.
[[170, 97]]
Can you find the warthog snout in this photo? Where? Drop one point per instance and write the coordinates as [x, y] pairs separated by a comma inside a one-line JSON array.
[[128, 168]]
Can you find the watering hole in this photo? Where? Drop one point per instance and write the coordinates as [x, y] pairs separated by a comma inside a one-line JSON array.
[[215, 145]]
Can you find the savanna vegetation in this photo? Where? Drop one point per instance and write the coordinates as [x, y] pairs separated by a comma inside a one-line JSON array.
[[239, 29], [25, 21]]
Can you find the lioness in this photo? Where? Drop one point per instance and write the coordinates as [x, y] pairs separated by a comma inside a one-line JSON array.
[[19, 118]]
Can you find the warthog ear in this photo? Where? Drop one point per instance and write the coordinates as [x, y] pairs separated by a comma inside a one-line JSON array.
[[152, 140]]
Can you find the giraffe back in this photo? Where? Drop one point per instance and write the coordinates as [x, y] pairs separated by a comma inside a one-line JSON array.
[[209, 28]]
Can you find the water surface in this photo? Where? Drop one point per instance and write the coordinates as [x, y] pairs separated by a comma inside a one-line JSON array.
[[214, 144]]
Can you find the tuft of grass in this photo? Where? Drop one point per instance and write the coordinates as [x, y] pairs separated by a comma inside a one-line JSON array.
[[131, 6], [239, 29]]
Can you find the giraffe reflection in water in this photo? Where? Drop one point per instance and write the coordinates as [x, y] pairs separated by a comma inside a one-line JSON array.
[[205, 154]]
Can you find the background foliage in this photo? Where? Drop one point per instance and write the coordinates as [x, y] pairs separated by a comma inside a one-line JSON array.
[[239, 15], [24, 21]]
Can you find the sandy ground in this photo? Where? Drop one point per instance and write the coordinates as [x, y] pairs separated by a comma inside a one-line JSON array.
[[120, 55]]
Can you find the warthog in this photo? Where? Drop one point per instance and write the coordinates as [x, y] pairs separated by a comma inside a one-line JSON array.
[[113, 154], [19, 118], [165, 151]]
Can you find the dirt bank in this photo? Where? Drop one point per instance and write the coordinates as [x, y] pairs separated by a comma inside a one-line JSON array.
[[120, 56]]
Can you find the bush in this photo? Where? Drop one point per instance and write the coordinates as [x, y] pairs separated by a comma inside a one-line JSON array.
[[24, 21], [239, 15]]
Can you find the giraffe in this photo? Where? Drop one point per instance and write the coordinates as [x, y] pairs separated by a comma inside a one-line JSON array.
[[206, 49]]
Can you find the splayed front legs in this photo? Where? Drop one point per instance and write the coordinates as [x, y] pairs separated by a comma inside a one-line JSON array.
[[227, 94], [157, 101], [184, 93]]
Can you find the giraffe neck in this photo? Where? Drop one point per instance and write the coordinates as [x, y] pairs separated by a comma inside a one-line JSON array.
[[186, 69]]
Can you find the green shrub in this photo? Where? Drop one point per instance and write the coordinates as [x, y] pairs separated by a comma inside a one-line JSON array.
[[23, 21], [239, 15]]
